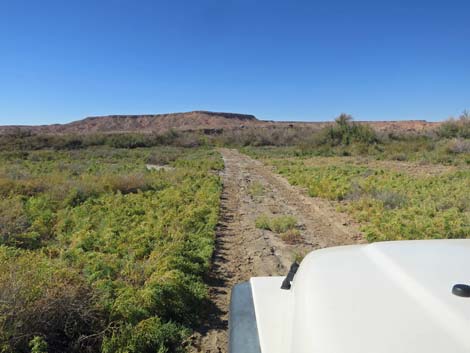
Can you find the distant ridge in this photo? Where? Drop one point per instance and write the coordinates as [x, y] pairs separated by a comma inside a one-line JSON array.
[[146, 123], [193, 121]]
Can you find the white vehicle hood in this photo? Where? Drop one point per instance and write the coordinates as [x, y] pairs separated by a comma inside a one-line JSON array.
[[390, 297]]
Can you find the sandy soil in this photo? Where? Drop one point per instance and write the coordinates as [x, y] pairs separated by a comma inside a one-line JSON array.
[[243, 251]]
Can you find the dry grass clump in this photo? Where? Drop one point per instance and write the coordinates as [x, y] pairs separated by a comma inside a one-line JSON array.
[[298, 256], [292, 236], [263, 222], [256, 189], [280, 224], [284, 225]]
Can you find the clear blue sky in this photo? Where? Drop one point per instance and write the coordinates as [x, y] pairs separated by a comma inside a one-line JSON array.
[[282, 60]]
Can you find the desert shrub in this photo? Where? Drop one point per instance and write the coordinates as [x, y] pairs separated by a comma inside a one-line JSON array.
[[41, 214], [14, 223], [129, 140], [346, 132], [281, 135], [410, 148], [459, 146], [44, 303], [389, 199], [127, 183], [164, 156], [72, 144], [456, 127], [28, 142]]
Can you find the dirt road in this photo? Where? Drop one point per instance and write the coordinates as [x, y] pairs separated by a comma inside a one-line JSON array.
[[243, 251]]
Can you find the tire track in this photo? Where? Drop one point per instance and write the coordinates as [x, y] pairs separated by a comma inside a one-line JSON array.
[[243, 251]]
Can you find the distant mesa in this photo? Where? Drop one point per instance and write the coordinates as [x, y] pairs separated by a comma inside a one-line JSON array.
[[191, 121], [147, 123]]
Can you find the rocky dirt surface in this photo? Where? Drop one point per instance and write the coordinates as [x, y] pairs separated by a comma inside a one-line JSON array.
[[243, 251]]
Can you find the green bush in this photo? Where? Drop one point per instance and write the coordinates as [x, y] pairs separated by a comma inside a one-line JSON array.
[[38, 345], [345, 132], [456, 127]]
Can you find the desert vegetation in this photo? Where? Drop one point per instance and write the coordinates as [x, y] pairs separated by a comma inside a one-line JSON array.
[[390, 205], [446, 145], [101, 250], [442, 143], [98, 254], [380, 183]]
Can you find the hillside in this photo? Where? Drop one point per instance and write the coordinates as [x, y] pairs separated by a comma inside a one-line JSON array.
[[196, 120]]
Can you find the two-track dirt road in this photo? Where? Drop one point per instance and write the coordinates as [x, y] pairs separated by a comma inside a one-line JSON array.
[[243, 251]]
